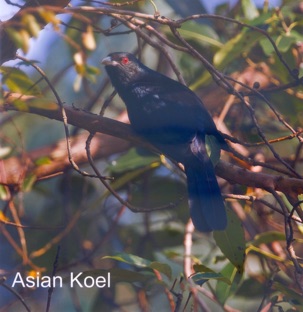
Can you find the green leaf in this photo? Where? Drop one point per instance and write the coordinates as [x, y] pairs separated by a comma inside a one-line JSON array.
[[31, 24], [171, 254], [231, 241], [283, 43], [17, 81], [235, 47], [44, 160], [125, 179], [162, 267], [295, 298], [268, 237], [20, 105], [250, 10], [201, 34], [42, 103], [200, 268], [201, 278], [203, 274], [130, 259], [28, 183], [251, 288], [49, 16], [20, 38], [224, 290], [142, 263], [243, 42], [266, 45], [34, 102], [133, 159], [91, 72], [266, 254]]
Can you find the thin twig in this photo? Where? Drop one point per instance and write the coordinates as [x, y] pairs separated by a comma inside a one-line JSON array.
[[112, 191], [51, 289], [10, 289], [64, 118]]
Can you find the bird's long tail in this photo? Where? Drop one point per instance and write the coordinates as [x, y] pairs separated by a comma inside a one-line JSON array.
[[206, 204]]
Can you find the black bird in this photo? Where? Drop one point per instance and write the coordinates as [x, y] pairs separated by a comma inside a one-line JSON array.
[[171, 117]]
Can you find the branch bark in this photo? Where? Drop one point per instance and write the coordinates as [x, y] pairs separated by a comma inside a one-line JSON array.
[[113, 136]]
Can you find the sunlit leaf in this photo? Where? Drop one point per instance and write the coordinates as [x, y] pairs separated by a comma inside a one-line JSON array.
[[249, 8], [19, 37], [48, 16], [31, 24], [4, 193], [20, 105], [267, 254], [45, 160], [42, 103], [77, 83], [88, 39], [3, 217]]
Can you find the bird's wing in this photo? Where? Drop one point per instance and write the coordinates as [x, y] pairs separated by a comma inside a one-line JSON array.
[[163, 96]]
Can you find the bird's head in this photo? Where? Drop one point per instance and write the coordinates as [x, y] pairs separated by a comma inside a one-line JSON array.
[[123, 68]]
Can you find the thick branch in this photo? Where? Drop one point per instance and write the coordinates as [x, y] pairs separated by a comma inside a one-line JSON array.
[[112, 137], [237, 175], [76, 117], [112, 132], [55, 157]]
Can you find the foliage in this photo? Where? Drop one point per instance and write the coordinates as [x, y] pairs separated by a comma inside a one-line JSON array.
[[246, 63]]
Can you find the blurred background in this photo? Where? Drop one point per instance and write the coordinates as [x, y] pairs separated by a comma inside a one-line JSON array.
[[53, 218]]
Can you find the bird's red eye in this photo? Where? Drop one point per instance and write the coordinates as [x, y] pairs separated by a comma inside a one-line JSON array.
[[125, 60]]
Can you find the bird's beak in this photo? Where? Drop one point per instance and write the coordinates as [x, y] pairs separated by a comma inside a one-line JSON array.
[[107, 61]]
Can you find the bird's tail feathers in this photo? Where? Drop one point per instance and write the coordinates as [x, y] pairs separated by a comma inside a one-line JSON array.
[[206, 204]]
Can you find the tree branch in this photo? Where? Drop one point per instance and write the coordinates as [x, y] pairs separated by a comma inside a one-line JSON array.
[[110, 134]]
